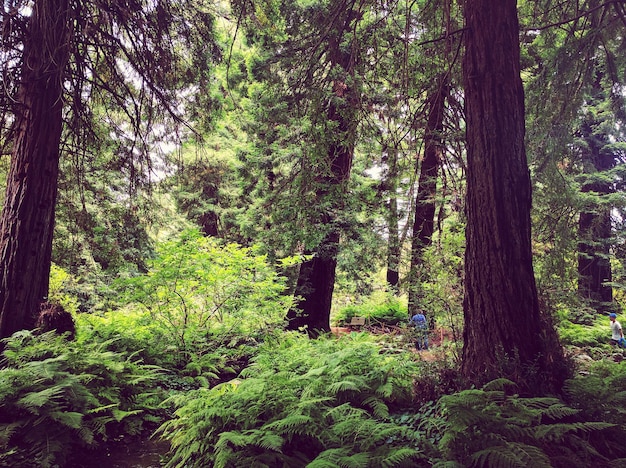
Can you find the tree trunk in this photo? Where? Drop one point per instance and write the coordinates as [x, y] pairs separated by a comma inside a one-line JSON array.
[[27, 221], [393, 246], [424, 220], [594, 225], [316, 280], [505, 334]]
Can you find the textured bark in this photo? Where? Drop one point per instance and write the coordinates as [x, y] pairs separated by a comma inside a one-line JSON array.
[[27, 221], [424, 220], [505, 333]]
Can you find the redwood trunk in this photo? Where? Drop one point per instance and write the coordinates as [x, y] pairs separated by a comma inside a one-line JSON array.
[[505, 334], [424, 220], [27, 221], [394, 247]]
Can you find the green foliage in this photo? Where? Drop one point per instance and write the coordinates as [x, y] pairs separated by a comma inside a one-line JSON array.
[[324, 402], [493, 427], [58, 397], [197, 287], [584, 335], [379, 307]]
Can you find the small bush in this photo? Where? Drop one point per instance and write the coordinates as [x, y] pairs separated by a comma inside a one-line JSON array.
[[584, 335], [379, 308], [493, 426]]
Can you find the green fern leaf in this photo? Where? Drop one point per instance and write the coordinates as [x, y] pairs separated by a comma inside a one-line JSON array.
[[513, 455], [379, 408], [33, 400], [396, 457], [294, 423], [556, 432], [499, 384], [67, 418], [351, 384]]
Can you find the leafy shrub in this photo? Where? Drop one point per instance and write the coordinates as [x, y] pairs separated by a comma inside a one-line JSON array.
[[601, 395], [317, 403], [58, 396], [130, 331], [197, 287], [380, 307]]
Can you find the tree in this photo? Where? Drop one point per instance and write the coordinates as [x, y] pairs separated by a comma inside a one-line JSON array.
[[575, 144], [60, 58], [28, 215], [316, 279], [505, 332]]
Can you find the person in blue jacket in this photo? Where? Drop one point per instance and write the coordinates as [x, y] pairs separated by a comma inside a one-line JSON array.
[[421, 330]]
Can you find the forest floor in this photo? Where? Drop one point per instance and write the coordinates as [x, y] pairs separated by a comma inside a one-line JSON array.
[[435, 338]]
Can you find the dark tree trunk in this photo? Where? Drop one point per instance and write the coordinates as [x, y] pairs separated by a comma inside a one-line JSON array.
[[316, 282], [27, 221], [505, 333], [393, 248], [425, 203], [594, 226], [316, 279]]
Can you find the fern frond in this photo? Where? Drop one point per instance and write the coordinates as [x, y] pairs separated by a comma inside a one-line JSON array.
[[385, 390], [499, 384], [292, 424], [395, 457], [556, 432], [379, 408], [512, 455], [353, 383], [67, 418], [328, 458]]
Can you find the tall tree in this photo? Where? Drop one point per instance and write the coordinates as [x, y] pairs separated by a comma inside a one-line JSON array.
[[574, 142], [424, 218], [59, 58], [505, 333], [27, 220], [316, 279], [594, 223]]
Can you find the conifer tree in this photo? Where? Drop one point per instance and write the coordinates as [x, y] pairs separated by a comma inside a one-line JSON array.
[[60, 57], [505, 332]]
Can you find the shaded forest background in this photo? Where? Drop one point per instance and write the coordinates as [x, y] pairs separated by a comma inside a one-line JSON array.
[[193, 182]]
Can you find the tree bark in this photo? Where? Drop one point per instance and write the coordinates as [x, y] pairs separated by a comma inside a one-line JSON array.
[[27, 221], [424, 220], [505, 333], [393, 245]]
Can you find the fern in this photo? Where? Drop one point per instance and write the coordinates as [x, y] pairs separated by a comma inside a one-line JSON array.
[[300, 402], [59, 396], [491, 428], [511, 455]]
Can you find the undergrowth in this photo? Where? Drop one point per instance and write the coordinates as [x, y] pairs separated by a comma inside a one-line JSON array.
[[58, 397], [321, 403]]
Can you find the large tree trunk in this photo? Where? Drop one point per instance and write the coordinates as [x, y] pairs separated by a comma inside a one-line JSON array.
[[505, 333], [424, 220], [27, 221]]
